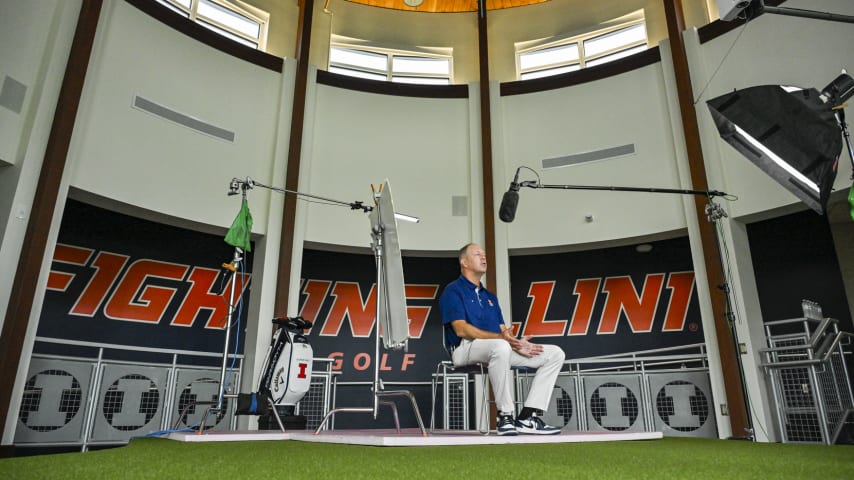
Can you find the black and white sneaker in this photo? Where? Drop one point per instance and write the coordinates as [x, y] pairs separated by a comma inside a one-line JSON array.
[[505, 425], [535, 426]]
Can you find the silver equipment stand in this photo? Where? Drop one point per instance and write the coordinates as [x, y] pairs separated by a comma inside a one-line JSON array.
[[224, 367], [216, 407], [378, 232], [233, 267]]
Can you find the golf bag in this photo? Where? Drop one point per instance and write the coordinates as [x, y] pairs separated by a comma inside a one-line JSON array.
[[287, 374]]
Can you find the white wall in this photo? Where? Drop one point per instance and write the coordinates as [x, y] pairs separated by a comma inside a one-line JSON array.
[[26, 37], [630, 108], [420, 144], [140, 159]]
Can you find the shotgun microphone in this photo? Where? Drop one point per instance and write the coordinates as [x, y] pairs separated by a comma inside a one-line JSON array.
[[510, 201]]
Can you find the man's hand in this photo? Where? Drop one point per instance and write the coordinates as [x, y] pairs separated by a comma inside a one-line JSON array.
[[507, 334], [526, 348], [521, 346]]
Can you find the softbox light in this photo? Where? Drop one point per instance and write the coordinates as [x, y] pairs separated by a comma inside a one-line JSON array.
[[791, 134]]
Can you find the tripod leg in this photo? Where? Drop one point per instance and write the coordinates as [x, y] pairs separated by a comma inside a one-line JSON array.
[[394, 413]]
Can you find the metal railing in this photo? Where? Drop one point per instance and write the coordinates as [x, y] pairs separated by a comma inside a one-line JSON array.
[[666, 390], [102, 394], [806, 366]]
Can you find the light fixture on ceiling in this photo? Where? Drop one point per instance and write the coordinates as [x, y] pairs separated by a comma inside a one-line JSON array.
[[413, 3]]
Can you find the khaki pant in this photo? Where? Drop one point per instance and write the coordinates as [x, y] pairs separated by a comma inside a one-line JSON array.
[[498, 357]]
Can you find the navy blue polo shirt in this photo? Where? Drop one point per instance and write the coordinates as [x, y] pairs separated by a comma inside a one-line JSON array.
[[462, 300]]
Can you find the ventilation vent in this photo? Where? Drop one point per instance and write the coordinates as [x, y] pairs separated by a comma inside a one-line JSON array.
[[586, 157], [12, 94], [148, 106], [459, 206]]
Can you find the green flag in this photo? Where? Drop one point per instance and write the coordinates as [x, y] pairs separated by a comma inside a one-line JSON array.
[[241, 229], [851, 201]]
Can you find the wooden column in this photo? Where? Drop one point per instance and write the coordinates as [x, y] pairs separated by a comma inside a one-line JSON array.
[[486, 145], [41, 214], [486, 165], [726, 345], [283, 282]]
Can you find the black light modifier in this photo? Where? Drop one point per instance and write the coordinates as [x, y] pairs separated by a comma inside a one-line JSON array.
[[792, 134]]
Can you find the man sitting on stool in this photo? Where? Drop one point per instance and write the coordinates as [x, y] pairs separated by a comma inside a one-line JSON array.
[[475, 330]]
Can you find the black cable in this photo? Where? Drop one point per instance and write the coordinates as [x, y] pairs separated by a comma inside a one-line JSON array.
[[727, 270], [709, 82], [534, 171]]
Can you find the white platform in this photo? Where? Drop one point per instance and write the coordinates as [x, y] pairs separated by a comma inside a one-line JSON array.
[[409, 437]]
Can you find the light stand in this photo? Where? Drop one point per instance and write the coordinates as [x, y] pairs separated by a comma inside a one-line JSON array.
[[235, 187], [389, 288], [384, 215], [242, 186], [237, 258], [840, 117], [243, 219], [714, 213], [232, 267]]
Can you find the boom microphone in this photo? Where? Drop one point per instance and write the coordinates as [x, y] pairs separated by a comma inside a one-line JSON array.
[[510, 201]]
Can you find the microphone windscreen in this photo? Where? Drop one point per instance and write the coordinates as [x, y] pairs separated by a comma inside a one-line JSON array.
[[507, 211]]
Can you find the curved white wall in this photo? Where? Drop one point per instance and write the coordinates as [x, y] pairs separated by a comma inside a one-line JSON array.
[[630, 108], [424, 146], [420, 144], [143, 160]]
